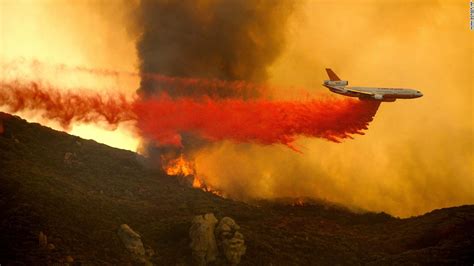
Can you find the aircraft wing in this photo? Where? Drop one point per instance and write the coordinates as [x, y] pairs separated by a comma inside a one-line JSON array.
[[359, 91]]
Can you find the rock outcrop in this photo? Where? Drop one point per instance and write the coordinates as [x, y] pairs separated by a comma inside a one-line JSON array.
[[133, 242], [42, 240], [205, 249], [70, 159], [69, 259], [230, 240], [203, 242]]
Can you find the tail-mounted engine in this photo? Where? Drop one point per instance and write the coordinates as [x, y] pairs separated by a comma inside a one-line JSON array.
[[336, 82]]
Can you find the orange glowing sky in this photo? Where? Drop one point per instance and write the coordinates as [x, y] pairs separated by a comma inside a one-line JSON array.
[[417, 155]]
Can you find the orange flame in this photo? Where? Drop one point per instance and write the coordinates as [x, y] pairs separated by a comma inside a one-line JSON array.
[[299, 202], [183, 167], [178, 166], [199, 183]]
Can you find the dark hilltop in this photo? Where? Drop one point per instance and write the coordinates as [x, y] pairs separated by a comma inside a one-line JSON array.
[[78, 192]]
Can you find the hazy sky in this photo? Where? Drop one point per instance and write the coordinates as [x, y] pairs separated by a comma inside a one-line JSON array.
[[92, 34], [417, 154]]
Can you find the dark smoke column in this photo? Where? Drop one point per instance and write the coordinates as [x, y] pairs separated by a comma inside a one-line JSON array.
[[216, 39], [211, 39]]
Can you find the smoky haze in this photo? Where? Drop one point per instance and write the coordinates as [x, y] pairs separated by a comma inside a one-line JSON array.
[[417, 155]]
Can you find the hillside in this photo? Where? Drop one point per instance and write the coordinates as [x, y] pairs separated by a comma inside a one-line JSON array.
[[78, 192]]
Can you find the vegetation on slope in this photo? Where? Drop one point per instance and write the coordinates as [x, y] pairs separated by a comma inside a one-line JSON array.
[[78, 192]]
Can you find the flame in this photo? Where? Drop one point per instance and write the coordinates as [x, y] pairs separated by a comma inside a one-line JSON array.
[[299, 202], [180, 166], [198, 182]]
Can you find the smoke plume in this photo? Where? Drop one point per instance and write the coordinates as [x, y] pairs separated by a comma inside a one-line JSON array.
[[226, 40]]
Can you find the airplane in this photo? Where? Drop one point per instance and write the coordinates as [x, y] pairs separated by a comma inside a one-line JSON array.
[[336, 85]]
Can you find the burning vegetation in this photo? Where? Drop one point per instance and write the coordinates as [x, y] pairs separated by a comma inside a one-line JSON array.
[[178, 166], [185, 170]]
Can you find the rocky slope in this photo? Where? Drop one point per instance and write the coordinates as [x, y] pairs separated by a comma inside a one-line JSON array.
[[78, 192]]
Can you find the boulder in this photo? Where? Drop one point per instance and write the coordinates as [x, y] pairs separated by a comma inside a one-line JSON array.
[[227, 226], [69, 259], [131, 240], [203, 242], [230, 240], [42, 240]]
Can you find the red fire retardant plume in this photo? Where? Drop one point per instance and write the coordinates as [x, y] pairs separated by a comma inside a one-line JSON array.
[[164, 119], [261, 121], [65, 107]]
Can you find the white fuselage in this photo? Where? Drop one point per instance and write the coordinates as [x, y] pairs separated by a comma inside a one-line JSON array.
[[370, 93]]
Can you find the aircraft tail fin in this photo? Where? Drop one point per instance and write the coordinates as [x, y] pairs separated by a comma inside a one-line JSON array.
[[332, 75]]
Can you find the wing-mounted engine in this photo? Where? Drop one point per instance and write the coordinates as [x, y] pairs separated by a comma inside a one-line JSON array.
[[336, 83], [378, 97]]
